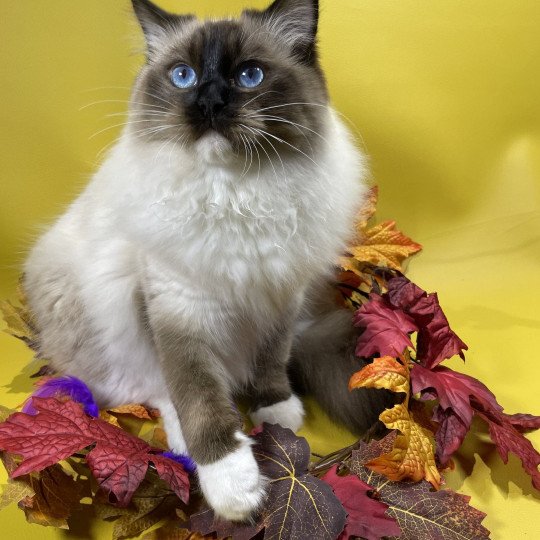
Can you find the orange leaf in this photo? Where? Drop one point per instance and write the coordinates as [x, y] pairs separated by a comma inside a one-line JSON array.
[[368, 210], [104, 415], [413, 454], [136, 410], [384, 245], [385, 372]]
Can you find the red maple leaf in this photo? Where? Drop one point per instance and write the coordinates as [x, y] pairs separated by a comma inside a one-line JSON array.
[[366, 517], [460, 397], [436, 340], [118, 460], [386, 329]]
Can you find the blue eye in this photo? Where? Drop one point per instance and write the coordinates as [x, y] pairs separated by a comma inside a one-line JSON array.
[[183, 76], [249, 76]]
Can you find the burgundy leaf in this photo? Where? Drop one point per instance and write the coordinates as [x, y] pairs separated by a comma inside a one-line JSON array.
[[460, 397], [118, 460], [509, 439], [366, 517], [453, 390], [449, 435], [436, 340], [386, 329], [524, 422]]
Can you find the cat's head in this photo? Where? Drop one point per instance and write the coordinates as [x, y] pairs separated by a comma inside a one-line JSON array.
[[256, 78]]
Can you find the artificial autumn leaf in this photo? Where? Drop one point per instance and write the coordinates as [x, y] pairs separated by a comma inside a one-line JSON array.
[[383, 373], [460, 397], [349, 287], [47, 497], [171, 532], [109, 418], [118, 460], [384, 245], [14, 492], [524, 422], [436, 340], [412, 455], [386, 330], [366, 517], [19, 320], [298, 505], [56, 495], [151, 503], [368, 208], [421, 512], [136, 410], [5, 413], [358, 280], [206, 523], [158, 438]]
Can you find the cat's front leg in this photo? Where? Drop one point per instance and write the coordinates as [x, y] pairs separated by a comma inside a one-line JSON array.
[[228, 474], [272, 399]]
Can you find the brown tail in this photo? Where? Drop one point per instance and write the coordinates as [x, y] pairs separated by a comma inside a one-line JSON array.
[[323, 361]]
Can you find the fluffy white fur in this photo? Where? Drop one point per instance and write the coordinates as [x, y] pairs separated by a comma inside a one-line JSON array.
[[233, 486], [212, 240], [288, 413]]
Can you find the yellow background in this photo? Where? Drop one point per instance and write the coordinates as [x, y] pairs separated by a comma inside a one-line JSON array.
[[445, 94]]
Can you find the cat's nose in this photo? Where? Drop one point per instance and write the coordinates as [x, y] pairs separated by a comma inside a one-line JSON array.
[[212, 100]]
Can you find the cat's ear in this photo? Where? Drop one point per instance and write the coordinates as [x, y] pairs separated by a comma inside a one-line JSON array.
[[296, 22], [155, 22]]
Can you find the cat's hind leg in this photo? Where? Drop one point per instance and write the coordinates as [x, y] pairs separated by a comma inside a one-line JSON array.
[[272, 400]]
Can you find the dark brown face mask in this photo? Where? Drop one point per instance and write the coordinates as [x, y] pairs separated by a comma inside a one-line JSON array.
[[257, 77]]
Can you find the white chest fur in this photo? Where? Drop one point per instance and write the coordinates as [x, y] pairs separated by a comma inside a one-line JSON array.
[[229, 231]]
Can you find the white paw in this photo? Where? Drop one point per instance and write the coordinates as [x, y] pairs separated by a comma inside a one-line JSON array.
[[233, 486], [288, 414]]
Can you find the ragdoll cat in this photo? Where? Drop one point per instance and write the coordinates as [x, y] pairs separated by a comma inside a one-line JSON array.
[[182, 276]]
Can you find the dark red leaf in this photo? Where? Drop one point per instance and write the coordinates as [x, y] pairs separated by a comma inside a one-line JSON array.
[[449, 435], [118, 460], [509, 439], [386, 329], [436, 340], [460, 397], [366, 517], [524, 422]]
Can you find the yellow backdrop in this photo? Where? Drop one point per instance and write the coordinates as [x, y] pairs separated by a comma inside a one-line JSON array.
[[445, 95]]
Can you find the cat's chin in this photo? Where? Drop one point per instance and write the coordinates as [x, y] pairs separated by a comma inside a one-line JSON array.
[[213, 147]]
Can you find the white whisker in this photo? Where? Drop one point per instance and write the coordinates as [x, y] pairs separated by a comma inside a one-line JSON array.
[[127, 102]]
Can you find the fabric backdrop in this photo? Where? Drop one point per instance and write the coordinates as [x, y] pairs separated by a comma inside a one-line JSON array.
[[445, 98]]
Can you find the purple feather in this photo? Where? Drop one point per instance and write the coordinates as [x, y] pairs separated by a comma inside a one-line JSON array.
[[186, 461], [69, 387]]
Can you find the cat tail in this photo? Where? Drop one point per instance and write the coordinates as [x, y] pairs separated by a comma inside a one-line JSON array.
[[323, 361]]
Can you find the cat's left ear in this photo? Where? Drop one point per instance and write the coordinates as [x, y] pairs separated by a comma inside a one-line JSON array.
[[296, 22], [155, 22]]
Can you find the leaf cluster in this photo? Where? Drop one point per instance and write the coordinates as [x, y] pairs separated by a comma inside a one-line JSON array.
[[386, 488]]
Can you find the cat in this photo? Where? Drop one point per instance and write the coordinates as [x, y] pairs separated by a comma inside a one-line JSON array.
[[195, 266]]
